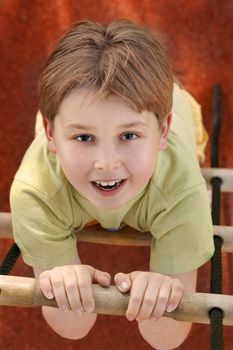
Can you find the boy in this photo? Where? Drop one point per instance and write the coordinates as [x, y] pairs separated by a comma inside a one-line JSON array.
[[110, 153]]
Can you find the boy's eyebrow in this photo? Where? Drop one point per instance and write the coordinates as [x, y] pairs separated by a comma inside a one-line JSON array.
[[79, 126], [132, 125], [122, 126]]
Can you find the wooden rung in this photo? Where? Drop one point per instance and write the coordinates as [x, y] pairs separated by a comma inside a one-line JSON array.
[[131, 237], [225, 174], [194, 307], [126, 237]]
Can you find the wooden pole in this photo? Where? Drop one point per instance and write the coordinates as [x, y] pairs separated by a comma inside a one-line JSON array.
[[194, 307], [126, 237]]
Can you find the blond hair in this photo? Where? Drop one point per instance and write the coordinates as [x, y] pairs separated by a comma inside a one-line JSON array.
[[122, 59]]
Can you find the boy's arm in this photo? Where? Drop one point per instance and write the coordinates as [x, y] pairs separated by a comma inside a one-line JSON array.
[[167, 333]]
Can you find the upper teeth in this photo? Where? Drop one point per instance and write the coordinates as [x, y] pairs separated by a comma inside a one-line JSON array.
[[108, 183]]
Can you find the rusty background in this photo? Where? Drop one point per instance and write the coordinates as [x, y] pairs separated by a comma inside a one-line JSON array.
[[198, 36]]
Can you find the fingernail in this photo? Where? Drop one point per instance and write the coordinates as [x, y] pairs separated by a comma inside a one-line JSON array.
[[49, 295], [65, 308], [170, 308], [129, 317], [78, 312], [151, 318], [123, 286], [89, 309]]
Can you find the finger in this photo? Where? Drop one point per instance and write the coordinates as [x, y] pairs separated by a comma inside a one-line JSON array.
[[122, 281], [84, 277], [102, 278], [149, 301], [57, 281], [72, 291], [137, 292], [45, 285], [176, 294], [162, 299]]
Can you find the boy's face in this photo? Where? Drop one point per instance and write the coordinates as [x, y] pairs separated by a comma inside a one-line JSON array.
[[106, 150]]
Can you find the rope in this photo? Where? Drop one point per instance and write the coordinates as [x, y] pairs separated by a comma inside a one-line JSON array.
[[216, 315], [10, 260], [216, 267], [216, 261], [216, 337], [216, 199]]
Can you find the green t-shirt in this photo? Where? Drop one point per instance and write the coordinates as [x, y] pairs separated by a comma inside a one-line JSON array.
[[173, 205]]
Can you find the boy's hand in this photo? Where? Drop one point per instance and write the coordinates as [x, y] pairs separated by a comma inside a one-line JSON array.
[[151, 294], [71, 286]]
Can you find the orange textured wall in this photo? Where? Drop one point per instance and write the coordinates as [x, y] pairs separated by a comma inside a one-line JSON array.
[[198, 37]]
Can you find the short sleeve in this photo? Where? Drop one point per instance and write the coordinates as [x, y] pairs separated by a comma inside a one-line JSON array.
[[40, 229], [183, 233]]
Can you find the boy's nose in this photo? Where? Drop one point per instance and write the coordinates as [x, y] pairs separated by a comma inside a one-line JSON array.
[[107, 159]]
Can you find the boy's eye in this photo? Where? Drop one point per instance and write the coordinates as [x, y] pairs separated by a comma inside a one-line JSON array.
[[129, 136], [84, 138]]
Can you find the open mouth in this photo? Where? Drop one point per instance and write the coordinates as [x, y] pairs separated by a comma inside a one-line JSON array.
[[108, 185]]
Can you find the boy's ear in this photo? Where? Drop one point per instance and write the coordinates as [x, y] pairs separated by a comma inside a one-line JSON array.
[[164, 132], [49, 134]]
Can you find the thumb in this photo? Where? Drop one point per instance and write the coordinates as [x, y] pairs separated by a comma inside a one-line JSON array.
[[102, 278], [123, 281]]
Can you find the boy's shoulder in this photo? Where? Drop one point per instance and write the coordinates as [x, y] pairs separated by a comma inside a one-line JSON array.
[[177, 167]]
